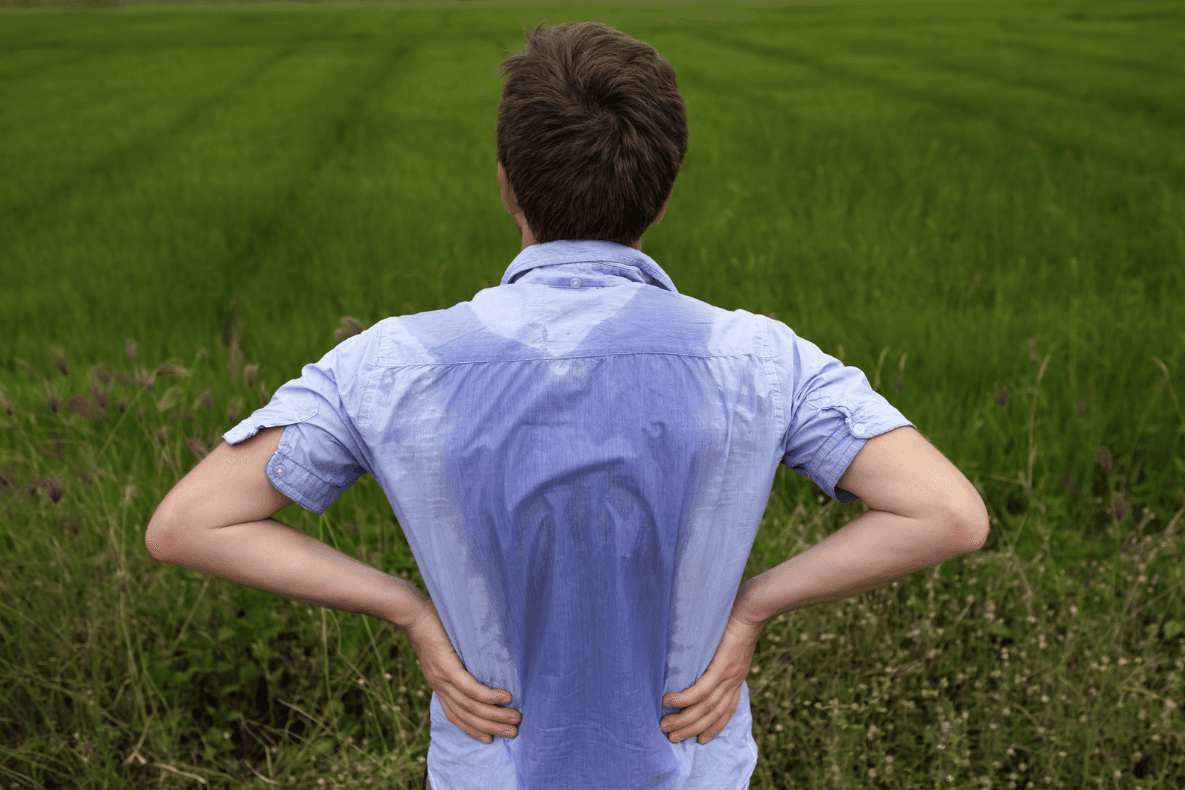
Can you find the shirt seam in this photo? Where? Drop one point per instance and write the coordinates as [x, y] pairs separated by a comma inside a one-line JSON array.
[[771, 376], [385, 366]]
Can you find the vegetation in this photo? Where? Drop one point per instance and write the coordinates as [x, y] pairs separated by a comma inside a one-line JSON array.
[[978, 204]]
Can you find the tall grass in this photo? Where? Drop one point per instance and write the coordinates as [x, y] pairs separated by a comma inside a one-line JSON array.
[[979, 204]]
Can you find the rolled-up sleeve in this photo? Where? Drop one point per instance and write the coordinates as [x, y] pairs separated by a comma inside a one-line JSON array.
[[830, 409], [321, 453]]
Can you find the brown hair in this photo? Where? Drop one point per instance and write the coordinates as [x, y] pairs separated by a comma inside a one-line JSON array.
[[591, 132]]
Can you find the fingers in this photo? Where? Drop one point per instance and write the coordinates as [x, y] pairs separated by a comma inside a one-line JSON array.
[[478, 724], [484, 702], [704, 720], [499, 714], [477, 713], [723, 715]]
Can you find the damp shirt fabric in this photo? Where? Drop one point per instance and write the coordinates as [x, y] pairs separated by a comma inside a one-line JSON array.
[[579, 459]]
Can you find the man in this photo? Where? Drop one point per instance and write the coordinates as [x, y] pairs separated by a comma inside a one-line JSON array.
[[579, 458]]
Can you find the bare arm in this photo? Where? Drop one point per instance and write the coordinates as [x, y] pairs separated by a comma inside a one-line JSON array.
[[924, 511]]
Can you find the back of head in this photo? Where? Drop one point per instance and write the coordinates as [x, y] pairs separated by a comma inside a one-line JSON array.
[[592, 131]]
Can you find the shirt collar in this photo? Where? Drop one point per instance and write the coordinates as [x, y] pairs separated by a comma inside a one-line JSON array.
[[614, 259]]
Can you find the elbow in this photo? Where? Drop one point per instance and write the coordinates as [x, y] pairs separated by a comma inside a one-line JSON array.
[[155, 542], [973, 524]]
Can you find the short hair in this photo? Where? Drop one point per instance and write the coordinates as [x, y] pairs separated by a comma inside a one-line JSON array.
[[591, 132]]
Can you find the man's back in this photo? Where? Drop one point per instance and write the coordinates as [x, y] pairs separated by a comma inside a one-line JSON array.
[[580, 459]]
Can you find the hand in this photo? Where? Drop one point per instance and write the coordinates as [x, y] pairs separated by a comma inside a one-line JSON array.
[[468, 704], [708, 705]]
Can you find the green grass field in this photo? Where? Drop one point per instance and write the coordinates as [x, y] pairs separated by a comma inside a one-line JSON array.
[[980, 204]]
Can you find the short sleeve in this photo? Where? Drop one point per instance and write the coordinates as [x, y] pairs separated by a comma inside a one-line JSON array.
[[831, 410], [321, 453]]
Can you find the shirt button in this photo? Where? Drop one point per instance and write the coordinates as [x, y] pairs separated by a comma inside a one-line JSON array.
[[858, 427], [574, 282], [279, 470]]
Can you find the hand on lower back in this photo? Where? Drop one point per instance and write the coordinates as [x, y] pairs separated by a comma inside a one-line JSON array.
[[469, 704], [708, 705]]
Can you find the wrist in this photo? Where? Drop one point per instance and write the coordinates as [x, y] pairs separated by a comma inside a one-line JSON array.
[[743, 607], [410, 605]]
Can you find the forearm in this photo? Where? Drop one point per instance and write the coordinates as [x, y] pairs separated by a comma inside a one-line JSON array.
[[874, 549], [272, 556]]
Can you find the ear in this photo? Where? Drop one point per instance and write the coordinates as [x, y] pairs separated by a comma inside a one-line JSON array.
[[662, 213], [508, 201]]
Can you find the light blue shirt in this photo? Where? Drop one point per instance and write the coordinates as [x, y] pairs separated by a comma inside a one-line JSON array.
[[579, 459]]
